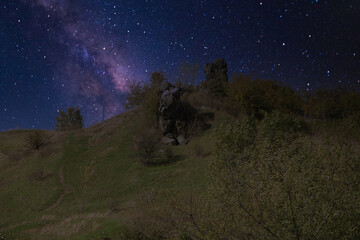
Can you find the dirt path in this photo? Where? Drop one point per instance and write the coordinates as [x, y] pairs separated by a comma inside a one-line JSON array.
[[64, 191]]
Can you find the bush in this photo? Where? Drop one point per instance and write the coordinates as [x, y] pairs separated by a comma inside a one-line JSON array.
[[278, 123], [332, 104], [36, 140], [146, 144], [270, 183], [135, 96], [146, 95], [257, 97], [267, 183], [71, 120], [216, 78]]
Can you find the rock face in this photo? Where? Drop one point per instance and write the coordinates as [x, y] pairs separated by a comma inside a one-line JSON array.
[[169, 114], [216, 70]]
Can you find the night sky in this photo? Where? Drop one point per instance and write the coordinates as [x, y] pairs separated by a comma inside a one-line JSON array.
[[61, 53]]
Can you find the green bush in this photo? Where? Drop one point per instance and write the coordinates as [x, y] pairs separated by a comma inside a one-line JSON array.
[[268, 181], [135, 96], [278, 184], [332, 104], [35, 140], [146, 144], [146, 95], [71, 120], [216, 78], [257, 97]]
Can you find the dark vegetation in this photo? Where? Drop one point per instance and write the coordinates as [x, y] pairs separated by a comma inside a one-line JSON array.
[[277, 163], [36, 140], [270, 178], [71, 120]]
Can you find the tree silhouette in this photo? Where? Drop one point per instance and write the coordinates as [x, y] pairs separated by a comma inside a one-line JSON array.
[[70, 121]]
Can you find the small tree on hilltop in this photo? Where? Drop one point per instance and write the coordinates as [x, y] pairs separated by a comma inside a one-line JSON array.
[[216, 78], [69, 121], [146, 94]]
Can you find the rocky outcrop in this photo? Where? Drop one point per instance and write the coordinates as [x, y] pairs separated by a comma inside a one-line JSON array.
[[170, 115], [168, 107]]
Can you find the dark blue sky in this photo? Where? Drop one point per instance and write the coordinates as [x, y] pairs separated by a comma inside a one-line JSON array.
[[59, 53]]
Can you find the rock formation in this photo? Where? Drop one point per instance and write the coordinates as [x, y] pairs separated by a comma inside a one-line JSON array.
[[169, 115]]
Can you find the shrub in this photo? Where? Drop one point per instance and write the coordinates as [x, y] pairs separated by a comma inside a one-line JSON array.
[[257, 97], [199, 99], [332, 104], [278, 123], [146, 144], [135, 96], [146, 95], [36, 140], [268, 182], [198, 123], [216, 78], [69, 121], [287, 188]]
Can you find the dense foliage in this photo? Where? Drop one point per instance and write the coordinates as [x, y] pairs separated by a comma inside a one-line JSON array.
[[269, 180], [257, 97], [35, 140], [69, 121], [273, 182], [146, 94], [333, 104]]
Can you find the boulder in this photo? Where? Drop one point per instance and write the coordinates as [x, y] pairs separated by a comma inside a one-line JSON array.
[[169, 141], [182, 140], [169, 106], [165, 86], [170, 114]]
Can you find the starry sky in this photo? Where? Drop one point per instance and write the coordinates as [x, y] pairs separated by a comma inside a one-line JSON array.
[[61, 53]]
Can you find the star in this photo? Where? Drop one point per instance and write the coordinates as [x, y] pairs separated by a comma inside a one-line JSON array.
[[88, 52]]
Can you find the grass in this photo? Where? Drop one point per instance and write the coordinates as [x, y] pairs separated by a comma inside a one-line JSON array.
[[119, 180]]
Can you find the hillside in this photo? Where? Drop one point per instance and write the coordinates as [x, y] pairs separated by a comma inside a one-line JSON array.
[[91, 184], [42, 196], [263, 162]]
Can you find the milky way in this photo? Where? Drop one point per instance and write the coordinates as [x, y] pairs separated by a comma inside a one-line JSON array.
[[95, 69], [61, 53]]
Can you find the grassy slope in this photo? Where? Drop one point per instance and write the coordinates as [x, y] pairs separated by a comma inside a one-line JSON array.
[[118, 182]]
